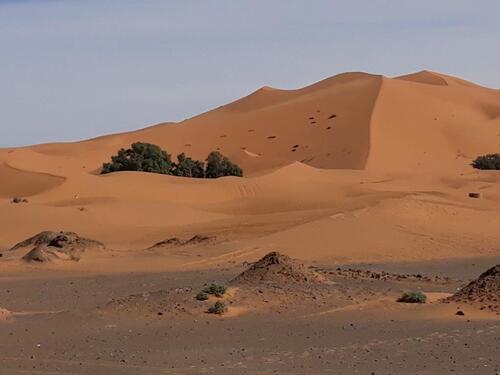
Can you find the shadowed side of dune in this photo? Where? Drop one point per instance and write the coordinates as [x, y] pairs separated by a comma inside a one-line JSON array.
[[20, 183]]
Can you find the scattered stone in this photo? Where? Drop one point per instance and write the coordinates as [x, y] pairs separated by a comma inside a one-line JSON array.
[[460, 313], [474, 195], [385, 276], [174, 241]]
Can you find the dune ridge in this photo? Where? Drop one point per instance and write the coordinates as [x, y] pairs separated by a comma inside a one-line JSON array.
[[354, 152]]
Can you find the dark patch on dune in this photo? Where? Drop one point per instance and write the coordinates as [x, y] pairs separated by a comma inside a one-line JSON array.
[[483, 291], [278, 268]]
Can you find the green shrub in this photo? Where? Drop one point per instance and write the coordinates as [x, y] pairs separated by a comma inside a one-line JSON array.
[[202, 296], [218, 308], [217, 290], [144, 157], [147, 157], [218, 166], [490, 161], [413, 297], [187, 167]]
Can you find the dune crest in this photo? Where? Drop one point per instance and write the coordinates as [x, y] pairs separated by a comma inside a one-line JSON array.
[[352, 152], [348, 121], [426, 77]]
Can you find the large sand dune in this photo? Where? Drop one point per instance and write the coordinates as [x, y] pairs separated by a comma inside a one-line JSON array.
[[339, 170]]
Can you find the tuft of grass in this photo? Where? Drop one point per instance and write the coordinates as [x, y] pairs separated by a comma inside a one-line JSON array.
[[413, 297], [202, 296], [217, 290], [218, 308]]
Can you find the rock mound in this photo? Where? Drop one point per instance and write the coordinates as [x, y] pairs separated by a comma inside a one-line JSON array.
[[57, 239], [50, 246], [44, 254], [38, 239], [278, 268], [485, 291]]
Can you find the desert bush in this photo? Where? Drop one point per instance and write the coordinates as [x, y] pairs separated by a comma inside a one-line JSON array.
[[218, 308], [217, 290], [202, 296], [145, 157], [187, 167], [413, 297], [218, 166], [489, 161]]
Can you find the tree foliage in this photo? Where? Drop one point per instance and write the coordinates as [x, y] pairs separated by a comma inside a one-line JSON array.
[[188, 167], [218, 166], [144, 157], [147, 157]]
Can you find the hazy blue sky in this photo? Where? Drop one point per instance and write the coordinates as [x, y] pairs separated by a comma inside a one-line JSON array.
[[76, 69]]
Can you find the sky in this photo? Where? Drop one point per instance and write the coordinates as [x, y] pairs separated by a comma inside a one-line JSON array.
[[74, 69]]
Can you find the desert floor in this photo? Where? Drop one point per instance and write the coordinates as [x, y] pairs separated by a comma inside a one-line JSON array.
[[57, 327]]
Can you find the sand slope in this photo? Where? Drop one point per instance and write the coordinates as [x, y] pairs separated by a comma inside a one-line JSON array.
[[355, 167]]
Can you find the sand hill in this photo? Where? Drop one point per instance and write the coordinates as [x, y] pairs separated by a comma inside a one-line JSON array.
[[354, 153]]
